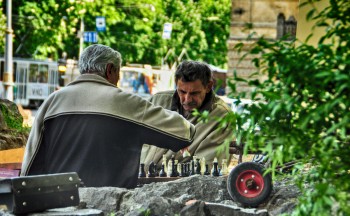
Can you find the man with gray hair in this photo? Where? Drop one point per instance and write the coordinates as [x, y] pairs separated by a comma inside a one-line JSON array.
[[95, 129]]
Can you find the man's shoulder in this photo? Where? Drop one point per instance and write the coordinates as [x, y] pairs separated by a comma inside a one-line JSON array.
[[221, 106], [163, 95], [163, 98], [168, 93]]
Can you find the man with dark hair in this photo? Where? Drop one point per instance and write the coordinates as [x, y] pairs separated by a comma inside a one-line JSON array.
[[194, 83], [95, 129]]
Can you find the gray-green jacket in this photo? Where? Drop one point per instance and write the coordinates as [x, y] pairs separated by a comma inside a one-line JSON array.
[[208, 136]]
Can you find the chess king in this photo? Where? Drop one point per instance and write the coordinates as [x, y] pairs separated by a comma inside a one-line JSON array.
[[194, 90]]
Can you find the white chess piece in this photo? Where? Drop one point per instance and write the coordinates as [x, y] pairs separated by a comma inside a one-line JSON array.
[[224, 169], [165, 163], [203, 165]]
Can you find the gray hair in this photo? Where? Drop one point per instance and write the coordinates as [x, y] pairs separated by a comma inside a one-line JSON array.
[[95, 58]]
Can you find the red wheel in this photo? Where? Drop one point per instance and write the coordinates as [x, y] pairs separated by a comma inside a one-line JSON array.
[[247, 184]]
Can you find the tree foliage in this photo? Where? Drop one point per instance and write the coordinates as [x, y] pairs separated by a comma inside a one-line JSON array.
[[48, 28], [305, 114]]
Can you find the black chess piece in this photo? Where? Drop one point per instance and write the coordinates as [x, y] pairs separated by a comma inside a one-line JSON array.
[[186, 168], [198, 167], [192, 171], [162, 172], [142, 172], [206, 170], [173, 167], [215, 170], [152, 170], [183, 170]]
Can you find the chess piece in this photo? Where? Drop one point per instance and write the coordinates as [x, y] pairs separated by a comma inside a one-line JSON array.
[[212, 168], [206, 172], [178, 167], [203, 165], [142, 172], [215, 171], [198, 167], [165, 163], [173, 172], [192, 171], [170, 168], [151, 170], [162, 172], [182, 171], [224, 169], [187, 169]]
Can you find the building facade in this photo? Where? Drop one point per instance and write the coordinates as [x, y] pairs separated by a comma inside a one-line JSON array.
[[271, 19]]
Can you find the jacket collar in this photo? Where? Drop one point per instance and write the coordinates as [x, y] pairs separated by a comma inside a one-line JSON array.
[[91, 78], [207, 105]]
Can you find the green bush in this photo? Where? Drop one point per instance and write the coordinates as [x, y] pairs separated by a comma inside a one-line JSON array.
[[306, 116]]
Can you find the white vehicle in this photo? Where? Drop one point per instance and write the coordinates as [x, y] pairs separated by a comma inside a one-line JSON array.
[[33, 80]]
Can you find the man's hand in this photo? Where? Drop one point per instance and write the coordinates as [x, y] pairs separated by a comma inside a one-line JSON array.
[[185, 153]]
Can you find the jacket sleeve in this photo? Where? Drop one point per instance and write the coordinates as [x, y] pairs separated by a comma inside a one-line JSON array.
[[173, 131]]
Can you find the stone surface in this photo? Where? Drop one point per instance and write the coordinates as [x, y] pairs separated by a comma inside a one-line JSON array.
[[195, 195]]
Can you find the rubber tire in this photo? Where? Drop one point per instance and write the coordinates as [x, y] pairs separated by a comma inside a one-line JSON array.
[[244, 200]]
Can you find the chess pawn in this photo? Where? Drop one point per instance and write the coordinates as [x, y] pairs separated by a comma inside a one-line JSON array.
[[162, 172], [206, 172], [151, 170], [142, 172], [198, 167], [224, 169], [203, 165], [165, 163], [215, 171]]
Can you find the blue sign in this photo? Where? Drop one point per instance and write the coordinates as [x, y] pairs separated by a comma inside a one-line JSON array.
[[90, 37], [100, 24]]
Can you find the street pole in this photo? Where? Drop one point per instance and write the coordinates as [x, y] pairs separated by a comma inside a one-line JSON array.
[[8, 75], [81, 44]]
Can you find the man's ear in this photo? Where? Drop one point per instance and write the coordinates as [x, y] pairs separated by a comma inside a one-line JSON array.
[[109, 69], [210, 86]]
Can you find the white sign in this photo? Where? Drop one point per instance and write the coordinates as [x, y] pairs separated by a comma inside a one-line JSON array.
[[100, 24], [167, 30], [37, 91]]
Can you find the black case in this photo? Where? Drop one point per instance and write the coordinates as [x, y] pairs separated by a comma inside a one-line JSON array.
[[26, 194]]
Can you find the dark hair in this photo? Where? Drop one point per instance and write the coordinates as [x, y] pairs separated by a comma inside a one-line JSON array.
[[189, 71]]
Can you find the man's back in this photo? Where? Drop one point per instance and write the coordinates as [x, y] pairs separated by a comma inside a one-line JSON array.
[[93, 128]]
